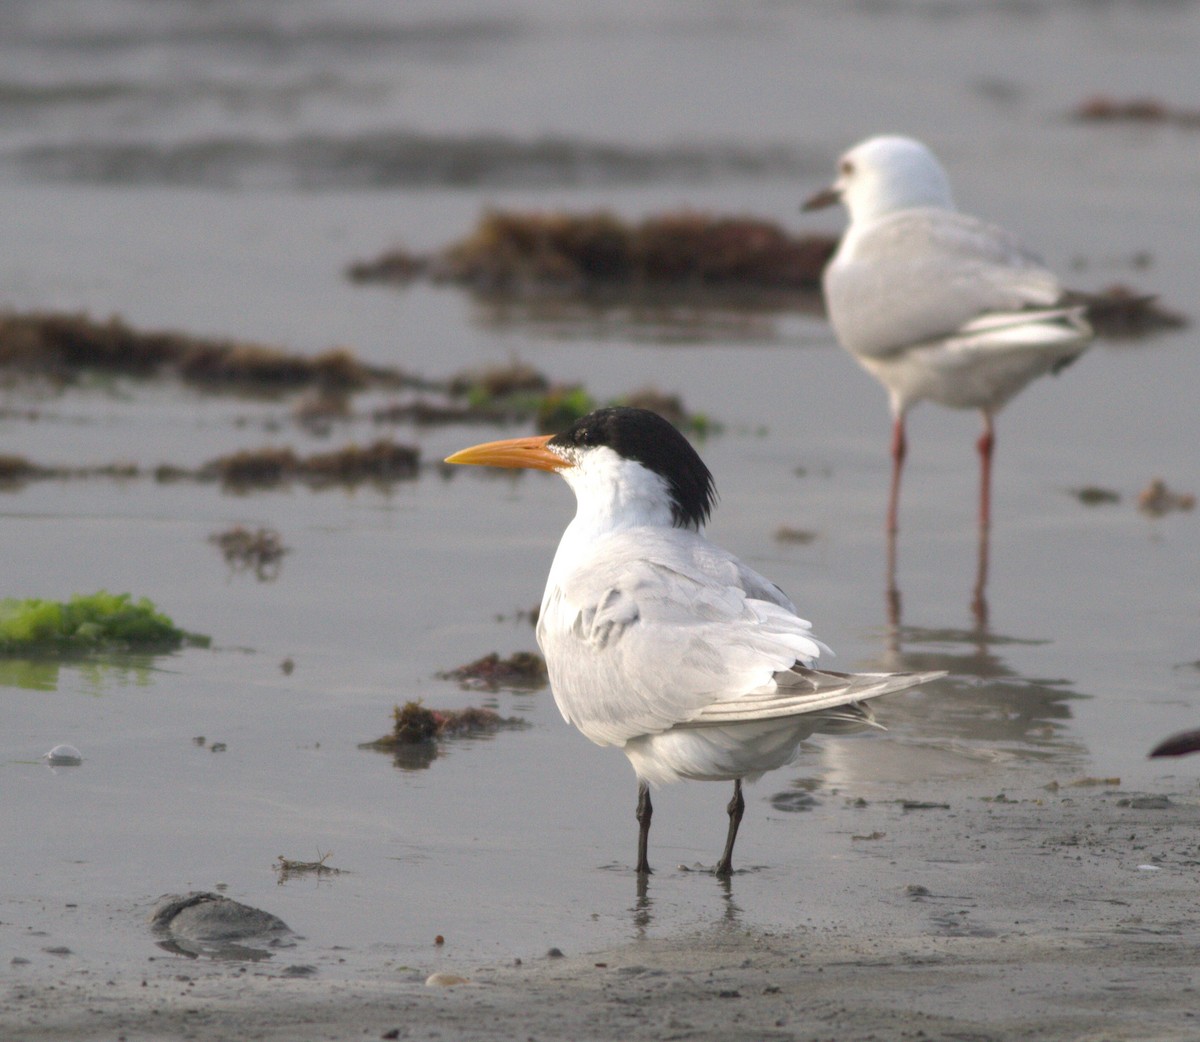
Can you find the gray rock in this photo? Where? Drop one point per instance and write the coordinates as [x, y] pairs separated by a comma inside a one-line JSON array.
[[204, 923]]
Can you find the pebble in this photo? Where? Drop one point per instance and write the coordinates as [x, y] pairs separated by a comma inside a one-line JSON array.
[[1145, 802]]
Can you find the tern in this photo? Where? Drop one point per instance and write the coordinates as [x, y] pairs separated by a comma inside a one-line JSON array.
[[936, 304], [658, 641]]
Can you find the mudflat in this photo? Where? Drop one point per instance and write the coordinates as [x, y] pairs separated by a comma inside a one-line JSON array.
[[1060, 912]]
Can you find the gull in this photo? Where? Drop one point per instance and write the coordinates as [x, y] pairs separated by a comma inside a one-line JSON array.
[[658, 641], [936, 304]]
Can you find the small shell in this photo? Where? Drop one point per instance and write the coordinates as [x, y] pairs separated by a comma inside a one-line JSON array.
[[444, 980], [63, 756]]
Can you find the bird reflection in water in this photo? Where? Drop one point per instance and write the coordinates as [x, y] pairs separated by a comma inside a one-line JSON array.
[[979, 602], [642, 912], [983, 699]]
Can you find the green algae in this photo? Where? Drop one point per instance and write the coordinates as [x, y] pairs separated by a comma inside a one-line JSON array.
[[99, 621]]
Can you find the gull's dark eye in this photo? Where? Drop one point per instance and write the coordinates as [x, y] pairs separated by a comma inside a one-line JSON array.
[[846, 167]]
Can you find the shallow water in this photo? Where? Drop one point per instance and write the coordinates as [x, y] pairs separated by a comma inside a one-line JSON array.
[[509, 845]]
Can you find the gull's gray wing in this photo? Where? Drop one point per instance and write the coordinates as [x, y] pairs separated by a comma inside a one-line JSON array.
[[920, 275]]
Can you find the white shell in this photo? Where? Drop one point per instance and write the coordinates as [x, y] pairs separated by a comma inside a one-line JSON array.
[[63, 756]]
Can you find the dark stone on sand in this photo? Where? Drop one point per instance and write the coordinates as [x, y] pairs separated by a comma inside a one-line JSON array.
[[204, 923]]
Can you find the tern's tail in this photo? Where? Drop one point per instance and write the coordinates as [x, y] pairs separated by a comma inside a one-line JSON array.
[[801, 690]]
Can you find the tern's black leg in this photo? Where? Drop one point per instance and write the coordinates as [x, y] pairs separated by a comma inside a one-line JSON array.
[[736, 807], [644, 813]]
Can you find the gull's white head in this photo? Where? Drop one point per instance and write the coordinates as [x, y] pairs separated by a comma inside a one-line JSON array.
[[884, 174]]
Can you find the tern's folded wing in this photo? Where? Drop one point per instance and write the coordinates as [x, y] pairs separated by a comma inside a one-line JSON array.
[[651, 631]]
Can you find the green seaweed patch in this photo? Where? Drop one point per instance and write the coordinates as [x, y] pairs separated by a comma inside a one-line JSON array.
[[520, 669], [517, 393], [100, 621]]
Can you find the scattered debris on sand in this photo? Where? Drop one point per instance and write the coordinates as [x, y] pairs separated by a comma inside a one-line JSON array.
[[287, 867], [62, 345], [521, 669], [1156, 499], [1086, 782], [1101, 108], [99, 621], [532, 253], [260, 551]]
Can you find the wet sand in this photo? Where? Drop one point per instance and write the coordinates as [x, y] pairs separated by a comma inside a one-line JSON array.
[[1042, 913]]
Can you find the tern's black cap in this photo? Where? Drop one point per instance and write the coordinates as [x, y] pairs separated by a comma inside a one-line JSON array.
[[644, 436]]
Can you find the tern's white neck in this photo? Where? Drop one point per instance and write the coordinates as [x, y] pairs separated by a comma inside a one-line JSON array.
[[612, 493]]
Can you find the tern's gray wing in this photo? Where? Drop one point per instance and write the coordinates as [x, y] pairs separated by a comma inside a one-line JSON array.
[[920, 275], [656, 626]]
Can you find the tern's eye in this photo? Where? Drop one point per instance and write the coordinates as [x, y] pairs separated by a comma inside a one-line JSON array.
[[846, 168]]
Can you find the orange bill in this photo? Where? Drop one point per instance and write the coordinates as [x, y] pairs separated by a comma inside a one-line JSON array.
[[526, 453]]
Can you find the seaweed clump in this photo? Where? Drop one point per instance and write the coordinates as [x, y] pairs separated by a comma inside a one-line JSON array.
[[517, 393], [518, 253], [1157, 500], [63, 344], [88, 622], [1104, 109], [260, 551], [417, 730], [1119, 311], [522, 668], [382, 461]]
